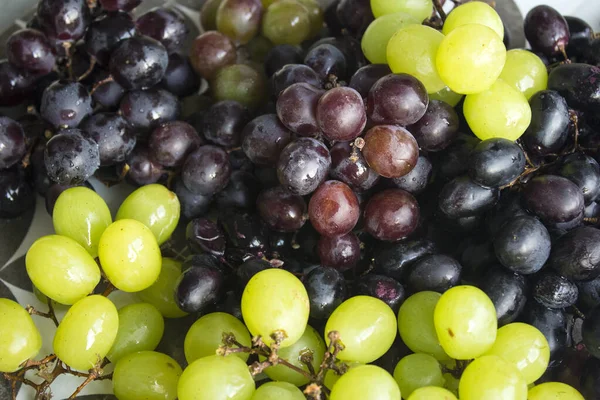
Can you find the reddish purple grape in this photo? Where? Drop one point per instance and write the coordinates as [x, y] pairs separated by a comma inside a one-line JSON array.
[[144, 110], [30, 49], [105, 33], [210, 52], [391, 215], [206, 171], [339, 252], [437, 128], [546, 30], [114, 137], [66, 104], [281, 210], [397, 100], [12, 142], [180, 77], [139, 62], [141, 169], [297, 108], [363, 80], [264, 138], [165, 25], [390, 150], [15, 85], [205, 236], [293, 73], [116, 5], [170, 143], [64, 19], [303, 165], [333, 209], [223, 123], [341, 114], [350, 167]]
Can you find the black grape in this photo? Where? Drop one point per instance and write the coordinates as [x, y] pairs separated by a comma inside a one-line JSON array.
[[198, 288], [180, 77], [16, 193], [552, 323], [508, 291], [105, 33], [326, 290], [12, 142], [293, 73], [553, 199], [363, 80], [281, 55], [548, 130], [349, 166], [546, 30], [64, 20], [206, 171], [15, 84], [584, 171], [496, 162], [170, 143], [303, 165], [464, 198], [394, 260], [71, 157], [417, 179], [192, 205], [30, 49], [382, 287], [281, 210], [114, 137], [223, 123], [249, 268], [508, 207], [591, 332], [435, 272], [554, 291], [141, 169], [339, 252], [576, 255], [165, 25], [65, 104], [144, 110], [139, 62], [205, 236], [437, 128], [579, 84], [326, 59], [241, 192], [264, 138]]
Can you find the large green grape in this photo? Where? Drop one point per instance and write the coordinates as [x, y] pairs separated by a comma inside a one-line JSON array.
[[82, 215], [129, 255], [315, 16], [206, 335], [87, 332], [146, 375], [154, 206], [553, 391], [419, 9], [20, 339], [417, 370], [61, 269], [367, 328], [415, 324], [375, 39], [331, 377], [413, 50], [525, 71], [499, 112], [216, 378], [465, 322], [366, 382], [141, 326], [447, 95], [491, 378], [275, 300], [470, 58], [241, 83], [161, 293], [474, 12], [286, 22], [432, 393], [310, 340], [278, 391]]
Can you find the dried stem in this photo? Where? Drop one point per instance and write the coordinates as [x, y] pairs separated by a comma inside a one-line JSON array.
[[440, 10], [67, 46], [109, 289], [100, 83], [89, 70], [50, 314]]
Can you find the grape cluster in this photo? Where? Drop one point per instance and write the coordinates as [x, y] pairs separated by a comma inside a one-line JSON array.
[[373, 201]]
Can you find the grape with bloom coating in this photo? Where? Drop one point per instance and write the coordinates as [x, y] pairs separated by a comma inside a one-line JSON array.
[[278, 391], [553, 391], [491, 378], [160, 294], [432, 393], [286, 22], [366, 382], [20, 339], [417, 370], [283, 306], [474, 12], [419, 9], [375, 40], [525, 71]]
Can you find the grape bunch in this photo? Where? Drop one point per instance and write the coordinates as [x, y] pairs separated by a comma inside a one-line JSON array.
[[377, 200]]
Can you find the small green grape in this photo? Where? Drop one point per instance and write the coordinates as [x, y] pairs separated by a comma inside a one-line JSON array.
[[20, 339], [129, 255], [216, 378], [154, 206], [87, 332], [82, 215], [331, 377], [141, 327], [286, 22], [146, 375], [553, 391], [447, 95], [491, 378], [208, 14], [366, 382], [420, 9], [315, 15], [416, 371], [160, 294], [525, 71], [379, 32], [474, 12], [367, 328], [206, 335], [278, 391], [61, 269], [275, 300], [431, 393], [241, 83]]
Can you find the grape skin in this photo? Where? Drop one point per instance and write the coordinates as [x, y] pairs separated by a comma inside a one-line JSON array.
[[20, 339]]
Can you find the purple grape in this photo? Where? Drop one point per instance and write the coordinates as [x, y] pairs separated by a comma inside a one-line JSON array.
[[210, 52], [326, 59], [391, 215], [280, 56], [170, 143], [108, 95], [65, 104], [64, 19], [71, 157], [205, 236], [303, 165], [297, 108], [341, 114], [206, 171], [333, 209], [122, 5], [293, 73], [30, 49], [438, 128], [223, 123], [326, 290], [180, 77], [397, 100], [384, 288], [139, 62], [553, 199], [355, 15], [192, 205], [339, 252], [105, 33], [281, 210], [13, 144], [546, 30], [16, 193], [142, 169], [363, 80], [144, 110], [15, 85], [165, 25], [240, 193], [114, 137], [351, 168], [264, 138]]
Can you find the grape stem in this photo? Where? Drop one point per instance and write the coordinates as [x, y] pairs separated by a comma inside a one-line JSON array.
[[100, 83], [109, 289], [89, 70], [50, 314], [440, 10]]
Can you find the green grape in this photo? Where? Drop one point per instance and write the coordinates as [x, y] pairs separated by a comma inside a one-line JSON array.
[[415, 324], [258, 48], [525, 347], [129, 255], [451, 383], [419, 9], [432, 393], [240, 20], [87, 332], [465, 322], [310, 341], [315, 15], [491, 378], [20, 339], [413, 50], [367, 328], [525, 71], [286, 22], [499, 112], [141, 327], [206, 335], [278, 391], [417, 370], [470, 58], [146, 375], [267, 3], [553, 391], [61, 269], [447, 95], [208, 14], [366, 382], [82, 215], [160, 294], [377, 36], [331, 377], [216, 378], [275, 300], [241, 83], [154, 206], [474, 12]]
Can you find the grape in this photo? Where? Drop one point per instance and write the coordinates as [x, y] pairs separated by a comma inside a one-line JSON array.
[[281, 210], [447, 96], [65, 104], [30, 49], [146, 374], [61, 269], [553, 390], [367, 328], [264, 138], [391, 215], [206, 171], [208, 14], [280, 56], [241, 192], [303, 165], [412, 50], [491, 378], [390, 150], [123, 5], [525, 71], [331, 376], [578, 84], [205, 336], [548, 130], [309, 342], [363, 80], [341, 114], [339, 252], [436, 273], [180, 77], [239, 19], [129, 255], [474, 13], [141, 328], [224, 122], [375, 40], [223, 378], [470, 58], [192, 205], [21, 339], [366, 382], [384, 288], [278, 391], [349, 166], [546, 30], [552, 323], [554, 291], [525, 347], [393, 260], [333, 209], [315, 16], [496, 162], [15, 84], [141, 169], [417, 179], [170, 143], [205, 236], [139, 62], [244, 232], [286, 22], [437, 128], [165, 25], [16, 194], [144, 110], [417, 370], [430, 393], [281, 307], [297, 108], [13, 142], [419, 9], [210, 52], [326, 290], [397, 100], [465, 322], [289, 74], [241, 83], [249, 268], [86, 332], [584, 171], [105, 33], [326, 60], [199, 287], [108, 95], [581, 34], [114, 137], [553, 198], [354, 15], [65, 20], [575, 255], [160, 294]]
